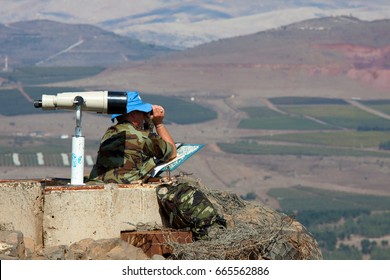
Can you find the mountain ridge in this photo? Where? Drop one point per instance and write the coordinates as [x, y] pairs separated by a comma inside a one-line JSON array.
[[184, 24], [318, 49], [50, 43], [308, 57]]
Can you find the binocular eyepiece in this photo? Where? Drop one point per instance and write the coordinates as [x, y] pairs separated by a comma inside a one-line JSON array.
[[38, 103], [105, 102]]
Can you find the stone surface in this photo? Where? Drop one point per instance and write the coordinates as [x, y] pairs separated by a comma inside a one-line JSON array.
[[12, 248], [61, 252], [80, 248], [21, 206], [12, 244], [73, 214], [29, 245]]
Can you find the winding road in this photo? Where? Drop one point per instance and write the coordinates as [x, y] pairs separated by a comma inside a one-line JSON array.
[[81, 41]]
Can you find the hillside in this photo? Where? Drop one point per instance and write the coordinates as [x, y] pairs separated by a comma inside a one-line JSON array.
[[184, 24], [49, 43], [334, 57]]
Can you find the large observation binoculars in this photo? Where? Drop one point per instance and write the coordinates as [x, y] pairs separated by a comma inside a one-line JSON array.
[[105, 102]]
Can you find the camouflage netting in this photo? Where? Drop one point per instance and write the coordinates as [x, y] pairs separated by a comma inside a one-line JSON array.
[[253, 231]]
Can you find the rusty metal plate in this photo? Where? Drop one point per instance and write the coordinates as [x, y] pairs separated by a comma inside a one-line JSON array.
[[156, 241]]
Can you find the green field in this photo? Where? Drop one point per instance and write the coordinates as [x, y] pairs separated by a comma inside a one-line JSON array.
[[379, 105], [298, 100], [301, 198], [350, 139], [264, 118], [324, 127], [300, 117], [180, 111], [341, 116], [253, 148]]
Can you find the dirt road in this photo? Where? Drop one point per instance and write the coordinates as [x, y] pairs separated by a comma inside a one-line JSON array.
[[368, 109]]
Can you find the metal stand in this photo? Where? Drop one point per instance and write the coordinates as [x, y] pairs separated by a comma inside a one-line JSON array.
[[78, 143]]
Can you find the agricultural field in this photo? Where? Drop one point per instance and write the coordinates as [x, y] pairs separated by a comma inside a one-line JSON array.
[[348, 139], [46, 159], [265, 118], [299, 100], [312, 127], [312, 117], [340, 116], [38, 150], [335, 218], [295, 112], [253, 148], [181, 111], [303, 198], [380, 105]]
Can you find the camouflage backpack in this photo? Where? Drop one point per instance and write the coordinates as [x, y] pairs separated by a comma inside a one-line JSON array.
[[186, 207]]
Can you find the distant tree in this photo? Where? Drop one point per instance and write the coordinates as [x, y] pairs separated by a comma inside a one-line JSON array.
[[365, 243], [368, 246], [344, 252], [326, 239]]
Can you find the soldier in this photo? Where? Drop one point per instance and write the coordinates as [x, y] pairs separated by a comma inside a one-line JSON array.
[[129, 149]]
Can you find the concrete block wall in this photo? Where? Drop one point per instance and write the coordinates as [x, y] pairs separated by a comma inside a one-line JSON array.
[[62, 215], [72, 214], [21, 206]]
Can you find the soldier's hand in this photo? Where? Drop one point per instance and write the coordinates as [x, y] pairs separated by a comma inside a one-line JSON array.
[[158, 114]]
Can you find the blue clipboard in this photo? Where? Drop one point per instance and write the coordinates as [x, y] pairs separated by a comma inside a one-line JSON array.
[[184, 152]]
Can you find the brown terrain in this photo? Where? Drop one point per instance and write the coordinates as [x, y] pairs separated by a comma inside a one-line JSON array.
[[230, 74]]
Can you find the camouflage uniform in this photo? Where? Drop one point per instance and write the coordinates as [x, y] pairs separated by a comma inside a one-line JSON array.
[[185, 206], [127, 154]]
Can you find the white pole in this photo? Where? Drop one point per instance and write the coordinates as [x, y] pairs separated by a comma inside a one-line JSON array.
[[78, 142], [77, 160]]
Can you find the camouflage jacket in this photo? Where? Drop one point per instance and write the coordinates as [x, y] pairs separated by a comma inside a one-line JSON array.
[[127, 154]]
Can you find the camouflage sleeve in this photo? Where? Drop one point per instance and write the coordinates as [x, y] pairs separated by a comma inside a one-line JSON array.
[[159, 148], [127, 154]]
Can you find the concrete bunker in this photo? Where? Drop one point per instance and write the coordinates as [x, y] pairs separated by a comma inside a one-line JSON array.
[[51, 213]]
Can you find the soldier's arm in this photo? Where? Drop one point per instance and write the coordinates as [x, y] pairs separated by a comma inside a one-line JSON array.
[[162, 131]]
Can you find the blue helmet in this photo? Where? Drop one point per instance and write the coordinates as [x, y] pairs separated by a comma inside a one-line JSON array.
[[134, 103]]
